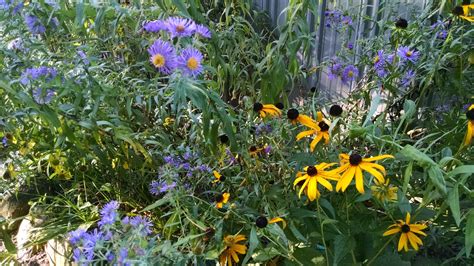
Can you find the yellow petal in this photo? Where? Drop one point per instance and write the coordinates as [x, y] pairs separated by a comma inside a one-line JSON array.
[[239, 248], [391, 231], [312, 189], [305, 134], [234, 255], [413, 243], [468, 18], [319, 116], [402, 242], [226, 197], [303, 187], [297, 180], [359, 180], [315, 142], [373, 172], [323, 166], [307, 121], [216, 174], [469, 133], [239, 238], [407, 219], [325, 183], [376, 158], [278, 219], [346, 179]]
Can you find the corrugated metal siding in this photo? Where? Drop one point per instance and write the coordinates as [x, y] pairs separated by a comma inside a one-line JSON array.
[[328, 41]]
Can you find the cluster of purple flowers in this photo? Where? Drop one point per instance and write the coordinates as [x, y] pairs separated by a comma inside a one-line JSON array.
[[347, 73], [163, 54], [407, 78], [35, 26], [165, 59], [6, 5], [34, 73], [263, 129], [43, 96], [87, 245], [178, 27], [405, 55], [336, 19], [159, 187], [441, 29]]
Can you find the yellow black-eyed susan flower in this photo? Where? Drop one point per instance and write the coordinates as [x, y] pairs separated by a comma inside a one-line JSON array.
[[218, 176], [470, 125], [222, 199], [232, 247], [321, 131], [352, 166], [294, 116], [408, 233], [313, 176], [384, 191], [266, 110], [464, 11], [254, 151], [262, 221]]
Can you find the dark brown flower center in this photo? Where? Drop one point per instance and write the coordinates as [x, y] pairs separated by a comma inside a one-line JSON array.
[[253, 149], [312, 171], [323, 126], [335, 110], [470, 114], [458, 11], [279, 106], [355, 159], [405, 228], [222, 178], [219, 198], [257, 107], [401, 23], [223, 138], [292, 114], [261, 222]]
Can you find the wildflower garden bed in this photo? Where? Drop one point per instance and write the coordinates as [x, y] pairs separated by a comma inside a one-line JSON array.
[[187, 133]]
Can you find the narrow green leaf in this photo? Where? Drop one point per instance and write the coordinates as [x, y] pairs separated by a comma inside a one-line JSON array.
[[253, 243], [453, 201], [469, 232]]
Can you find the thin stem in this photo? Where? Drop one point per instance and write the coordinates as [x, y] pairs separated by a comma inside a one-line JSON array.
[[322, 234], [380, 251]]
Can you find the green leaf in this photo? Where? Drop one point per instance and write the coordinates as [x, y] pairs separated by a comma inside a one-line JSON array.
[[436, 176], [469, 232], [342, 246], [157, 204], [374, 104], [416, 155], [253, 243], [409, 108], [464, 169], [453, 201], [7, 241]]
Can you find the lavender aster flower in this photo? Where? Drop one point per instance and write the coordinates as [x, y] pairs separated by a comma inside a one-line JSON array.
[[141, 223], [122, 256], [203, 31], [5, 4], [407, 78], [108, 214], [43, 96], [406, 54], [83, 57], [334, 71], [35, 73], [442, 34], [163, 56], [17, 8], [34, 25], [109, 256], [76, 236], [155, 26], [267, 149], [158, 187], [4, 141], [350, 73], [346, 20], [190, 61], [180, 27], [350, 46], [76, 255]]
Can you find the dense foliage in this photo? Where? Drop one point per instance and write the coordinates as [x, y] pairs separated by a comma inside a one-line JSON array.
[[168, 132]]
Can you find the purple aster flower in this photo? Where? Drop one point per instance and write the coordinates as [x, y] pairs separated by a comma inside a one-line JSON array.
[[142, 224], [334, 71], [163, 56], [35, 26], [407, 78], [76, 255], [346, 20], [203, 31], [267, 149], [108, 214], [379, 60], [76, 236], [232, 159], [350, 46], [187, 155], [406, 54], [83, 57], [122, 256], [442, 34], [350, 73], [4, 142], [5, 4], [186, 166], [109, 256], [42, 96], [158, 187], [35, 73], [203, 168], [126, 220], [190, 61], [180, 27], [17, 8], [52, 3], [155, 26]]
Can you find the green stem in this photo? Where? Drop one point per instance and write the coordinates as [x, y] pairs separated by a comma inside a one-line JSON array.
[[380, 251], [322, 234]]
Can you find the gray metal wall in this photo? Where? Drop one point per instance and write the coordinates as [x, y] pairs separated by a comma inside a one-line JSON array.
[[328, 41]]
